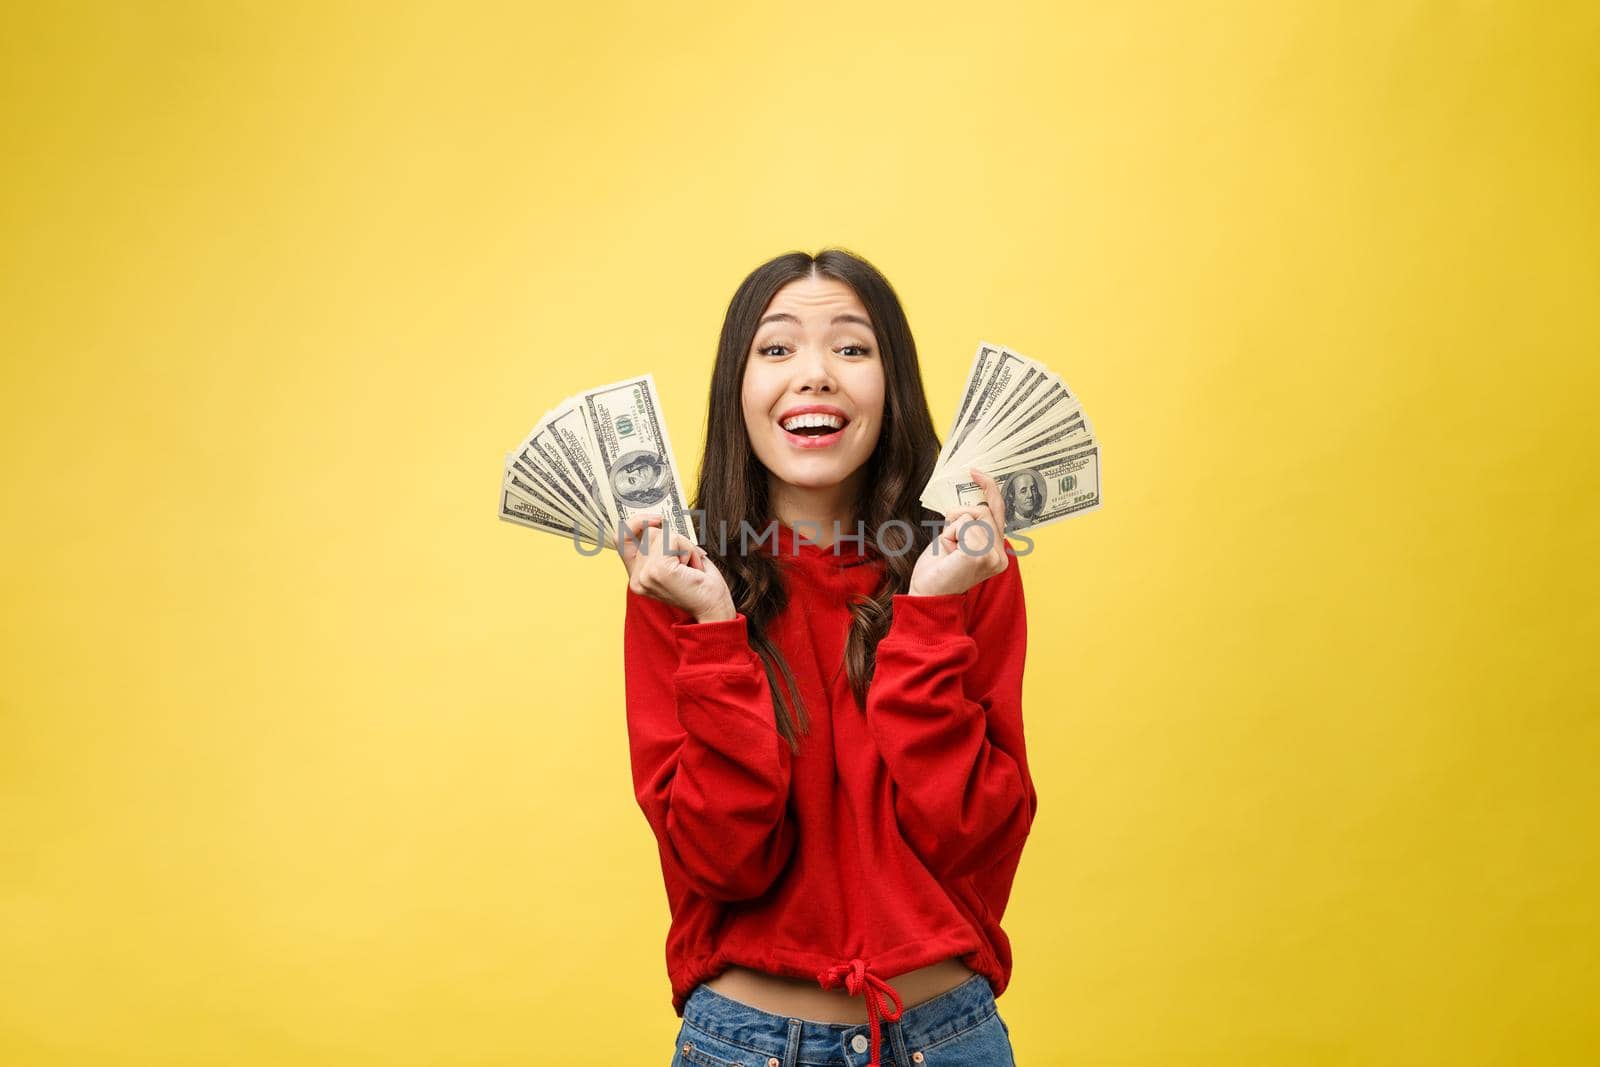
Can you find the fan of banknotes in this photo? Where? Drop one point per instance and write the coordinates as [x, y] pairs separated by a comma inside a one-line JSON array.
[[593, 462], [1020, 424], [599, 458]]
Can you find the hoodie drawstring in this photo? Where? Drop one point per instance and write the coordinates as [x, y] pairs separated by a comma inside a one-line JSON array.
[[858, 981]]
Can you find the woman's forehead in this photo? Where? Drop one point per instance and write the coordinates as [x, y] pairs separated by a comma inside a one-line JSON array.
[[816, 299]]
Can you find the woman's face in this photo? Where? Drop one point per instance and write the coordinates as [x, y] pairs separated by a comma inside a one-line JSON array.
[[814, 352]]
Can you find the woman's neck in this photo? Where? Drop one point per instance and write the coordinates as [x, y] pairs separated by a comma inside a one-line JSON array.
[[819, 507]]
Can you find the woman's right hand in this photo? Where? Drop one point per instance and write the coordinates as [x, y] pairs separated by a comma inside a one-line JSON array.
[[674, 570]]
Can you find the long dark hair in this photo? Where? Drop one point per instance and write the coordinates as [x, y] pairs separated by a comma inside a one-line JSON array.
[[733, 482]]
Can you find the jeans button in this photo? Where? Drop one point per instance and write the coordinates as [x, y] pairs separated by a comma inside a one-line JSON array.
[[859, 1043]]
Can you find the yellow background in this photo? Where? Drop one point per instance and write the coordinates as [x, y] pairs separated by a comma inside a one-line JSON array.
[[307, 759]]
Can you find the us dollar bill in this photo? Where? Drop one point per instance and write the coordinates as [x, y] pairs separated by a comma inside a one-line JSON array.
[[1017, 415], [977, 374], [636, 470], [1045, 492], [1000, 373], [514, 507], [540, 465], [527, 500]]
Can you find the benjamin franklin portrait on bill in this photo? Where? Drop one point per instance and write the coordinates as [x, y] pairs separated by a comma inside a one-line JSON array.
[[639, 479], [1024, 496]]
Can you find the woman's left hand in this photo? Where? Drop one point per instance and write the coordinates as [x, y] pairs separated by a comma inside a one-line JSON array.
[[970, 548]]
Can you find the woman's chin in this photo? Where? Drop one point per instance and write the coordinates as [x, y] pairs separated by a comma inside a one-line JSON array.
[[809, 481], [812, 476]]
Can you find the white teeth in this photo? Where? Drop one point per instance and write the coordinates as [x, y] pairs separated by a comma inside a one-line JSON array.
[[795, 422]]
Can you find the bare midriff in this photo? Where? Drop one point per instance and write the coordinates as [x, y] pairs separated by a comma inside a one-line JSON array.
[[802, 999]]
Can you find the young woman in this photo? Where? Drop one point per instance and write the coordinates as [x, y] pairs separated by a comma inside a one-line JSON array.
[[824, 702]]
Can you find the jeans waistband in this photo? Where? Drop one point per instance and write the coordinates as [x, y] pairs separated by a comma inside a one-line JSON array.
[[795, 1040]]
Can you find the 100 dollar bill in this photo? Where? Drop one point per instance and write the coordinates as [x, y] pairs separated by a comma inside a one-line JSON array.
[[1045, 492], [637, 471]]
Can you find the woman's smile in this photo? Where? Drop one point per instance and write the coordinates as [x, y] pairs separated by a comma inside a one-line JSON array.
[[813, 425]]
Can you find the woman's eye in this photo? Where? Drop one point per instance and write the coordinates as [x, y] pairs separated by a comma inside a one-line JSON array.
[[858, 350], [768, 350]]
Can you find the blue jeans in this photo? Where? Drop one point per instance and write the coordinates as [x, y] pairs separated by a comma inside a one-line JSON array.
[[960, 1027]]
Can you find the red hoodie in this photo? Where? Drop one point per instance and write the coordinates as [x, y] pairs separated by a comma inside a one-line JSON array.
[[891, 839]]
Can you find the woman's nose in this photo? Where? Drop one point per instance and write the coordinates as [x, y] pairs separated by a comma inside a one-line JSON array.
[[812, 372]]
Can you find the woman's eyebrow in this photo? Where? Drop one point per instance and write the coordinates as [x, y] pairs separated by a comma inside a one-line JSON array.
[[784, 316]]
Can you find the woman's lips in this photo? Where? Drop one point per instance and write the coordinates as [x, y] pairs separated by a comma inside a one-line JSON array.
[[800, 440]]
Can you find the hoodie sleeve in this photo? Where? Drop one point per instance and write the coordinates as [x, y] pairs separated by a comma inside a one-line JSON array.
[[710, 770], [945, 709]]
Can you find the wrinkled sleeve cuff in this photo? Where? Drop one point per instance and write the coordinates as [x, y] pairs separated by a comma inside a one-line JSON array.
[[725, 643], [929, 616]]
